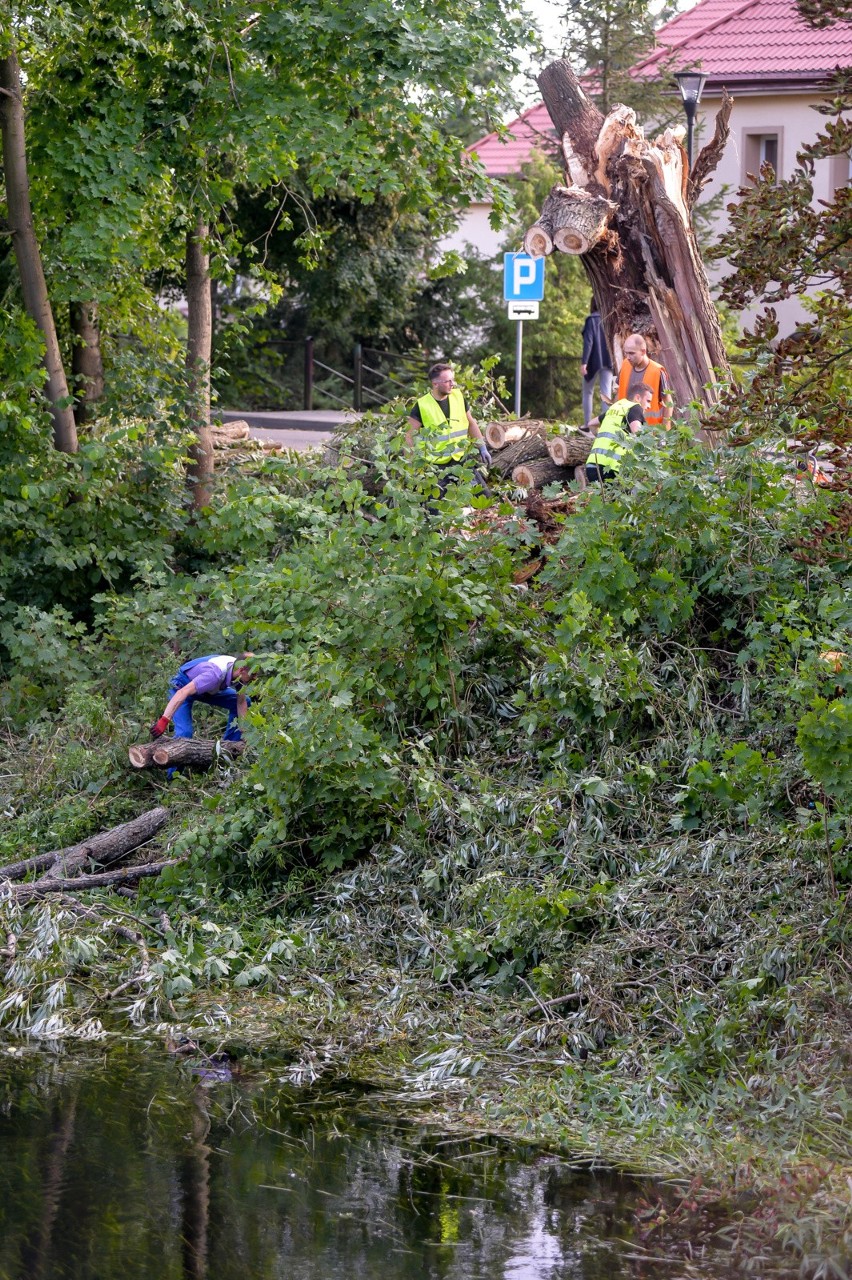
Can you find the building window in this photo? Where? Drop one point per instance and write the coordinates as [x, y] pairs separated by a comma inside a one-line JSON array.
[[761, 148]]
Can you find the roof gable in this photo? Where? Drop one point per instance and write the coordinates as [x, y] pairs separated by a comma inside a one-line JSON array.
[[759, 44]]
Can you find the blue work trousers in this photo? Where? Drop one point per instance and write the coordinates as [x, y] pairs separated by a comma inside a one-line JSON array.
[[226, 699]]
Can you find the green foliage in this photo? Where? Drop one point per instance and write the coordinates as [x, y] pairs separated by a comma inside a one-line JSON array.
[[825, 738], [781, 245]]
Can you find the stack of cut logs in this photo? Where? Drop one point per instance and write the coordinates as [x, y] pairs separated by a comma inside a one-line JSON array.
[[237, 436], [523, 452]]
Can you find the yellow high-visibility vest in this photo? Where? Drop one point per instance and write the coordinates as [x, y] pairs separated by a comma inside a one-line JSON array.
[[613, 438], [443, 439]]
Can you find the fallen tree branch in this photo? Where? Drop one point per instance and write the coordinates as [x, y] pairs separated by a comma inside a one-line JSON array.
[[108, 846], [25, 893]]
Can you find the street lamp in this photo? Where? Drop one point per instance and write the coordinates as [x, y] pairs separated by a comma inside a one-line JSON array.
[[691, 85]]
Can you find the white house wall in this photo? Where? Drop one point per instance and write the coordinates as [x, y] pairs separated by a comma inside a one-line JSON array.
[[792, 118]]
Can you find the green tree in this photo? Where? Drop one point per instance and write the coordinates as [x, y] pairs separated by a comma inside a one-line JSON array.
[[605, 41]]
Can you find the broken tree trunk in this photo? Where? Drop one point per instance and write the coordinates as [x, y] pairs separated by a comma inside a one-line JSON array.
[[196, 753], [108, 846], [541, 471], [570, 450], [625, 209]]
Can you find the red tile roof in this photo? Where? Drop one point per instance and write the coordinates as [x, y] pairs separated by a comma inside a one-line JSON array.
[[738, 43], [505, 155], [756, 40]]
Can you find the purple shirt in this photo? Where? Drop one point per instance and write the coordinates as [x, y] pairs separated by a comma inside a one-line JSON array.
[[214, 675]]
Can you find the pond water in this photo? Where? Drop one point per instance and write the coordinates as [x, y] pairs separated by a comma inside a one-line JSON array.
[[135, 1166]]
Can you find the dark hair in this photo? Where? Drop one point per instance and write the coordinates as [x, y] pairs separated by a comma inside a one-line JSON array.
[[438, 369], [593, 306]]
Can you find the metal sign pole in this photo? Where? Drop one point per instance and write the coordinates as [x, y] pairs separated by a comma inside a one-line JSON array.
[[519, 348]]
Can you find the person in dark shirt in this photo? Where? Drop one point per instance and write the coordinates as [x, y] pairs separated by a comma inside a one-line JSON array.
[[597, 364]]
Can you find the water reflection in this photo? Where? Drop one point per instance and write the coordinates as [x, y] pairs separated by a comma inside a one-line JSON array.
[[139, 1169]]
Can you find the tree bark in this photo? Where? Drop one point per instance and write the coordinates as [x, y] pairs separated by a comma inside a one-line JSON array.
[[644, 266], [199, 342], [499, 434], [87, 366], [27, 252], [532, 445], [196, 753], [25, 893], [570, 450], [108, 846], [539, 472]]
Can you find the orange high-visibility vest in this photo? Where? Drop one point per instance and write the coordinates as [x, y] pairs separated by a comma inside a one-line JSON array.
[[650, 375]]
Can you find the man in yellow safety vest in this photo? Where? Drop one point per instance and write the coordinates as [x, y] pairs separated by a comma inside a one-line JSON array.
[[622, 420], [440, 426]]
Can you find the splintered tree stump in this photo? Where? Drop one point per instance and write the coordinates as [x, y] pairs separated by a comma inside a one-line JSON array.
[[533, 444], [193, 753], [625, 208], [570, 450], [108, 846], [541, 471]]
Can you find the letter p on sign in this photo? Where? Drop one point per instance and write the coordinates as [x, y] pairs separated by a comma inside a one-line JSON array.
[[523, 278]]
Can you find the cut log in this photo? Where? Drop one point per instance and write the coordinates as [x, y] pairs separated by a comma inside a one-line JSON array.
[[642, 259], [76, 884], [108, 846], [533, 444], [539, 472], [573, 219], [227, 433], [570, 450], [194, 753], [538, 242], [17, 870], [141, 754], [499, 434]]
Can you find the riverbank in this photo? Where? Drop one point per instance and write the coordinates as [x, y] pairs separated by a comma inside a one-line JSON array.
[[565, 861]]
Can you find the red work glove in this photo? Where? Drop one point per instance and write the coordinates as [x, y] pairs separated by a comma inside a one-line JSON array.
[[158, 729]]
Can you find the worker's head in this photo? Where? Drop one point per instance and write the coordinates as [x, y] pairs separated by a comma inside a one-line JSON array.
[[442, 379], [636, 351], [243, 672], [593, 306], [644, 395]]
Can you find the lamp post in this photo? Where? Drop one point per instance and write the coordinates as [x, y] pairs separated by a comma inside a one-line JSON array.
[[691, 85]]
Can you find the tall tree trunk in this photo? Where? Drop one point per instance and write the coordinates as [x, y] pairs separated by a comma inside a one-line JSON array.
[[27, 253], [87, 366], [625, 209], [198, 352]]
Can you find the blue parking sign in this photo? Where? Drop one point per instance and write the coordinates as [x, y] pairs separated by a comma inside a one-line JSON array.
[[523, 278]]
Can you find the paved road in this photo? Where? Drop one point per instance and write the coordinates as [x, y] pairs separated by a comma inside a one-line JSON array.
[[292, 439], [294, 429]]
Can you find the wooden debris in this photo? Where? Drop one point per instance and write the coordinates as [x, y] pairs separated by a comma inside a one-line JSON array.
[[104, 848], [499, 434], [226, 434], [109, 846], [570, 450], [25, 893], [196, 753], [539, 472]]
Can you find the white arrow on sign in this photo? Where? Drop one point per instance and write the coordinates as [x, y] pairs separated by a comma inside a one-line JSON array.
[[523, 310]]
